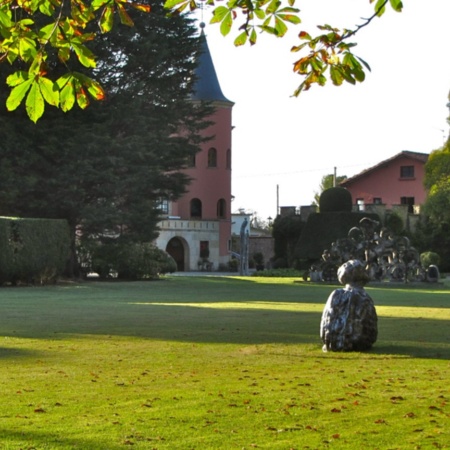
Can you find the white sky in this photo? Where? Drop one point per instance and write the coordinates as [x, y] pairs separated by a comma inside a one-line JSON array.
[[293, 142]]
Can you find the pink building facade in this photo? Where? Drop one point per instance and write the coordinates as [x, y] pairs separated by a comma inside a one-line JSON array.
[[197, 229], [394, 181]]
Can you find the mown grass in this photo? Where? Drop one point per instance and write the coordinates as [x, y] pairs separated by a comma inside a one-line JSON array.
[[218, 363]]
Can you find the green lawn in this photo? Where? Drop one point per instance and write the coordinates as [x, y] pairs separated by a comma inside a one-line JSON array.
[[218, 363]]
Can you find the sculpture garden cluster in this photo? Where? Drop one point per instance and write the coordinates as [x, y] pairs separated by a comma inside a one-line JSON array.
[[386, 256], [349, 319]]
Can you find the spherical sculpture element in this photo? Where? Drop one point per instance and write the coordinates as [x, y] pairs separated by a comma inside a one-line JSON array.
[[335, 199], [353, 272]]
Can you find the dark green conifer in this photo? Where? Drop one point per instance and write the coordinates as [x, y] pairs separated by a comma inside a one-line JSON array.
[[105, 168]]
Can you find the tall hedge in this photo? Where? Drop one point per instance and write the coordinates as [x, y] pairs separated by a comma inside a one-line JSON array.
[[286, 231], [32, 250], [321, 229]]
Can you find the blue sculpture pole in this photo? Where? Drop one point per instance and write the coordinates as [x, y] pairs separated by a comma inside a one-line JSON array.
[[243, 267]]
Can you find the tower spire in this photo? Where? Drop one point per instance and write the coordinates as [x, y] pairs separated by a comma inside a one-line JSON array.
[[207, 86]]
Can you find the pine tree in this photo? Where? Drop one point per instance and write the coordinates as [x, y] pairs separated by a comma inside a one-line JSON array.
[[106, 168]]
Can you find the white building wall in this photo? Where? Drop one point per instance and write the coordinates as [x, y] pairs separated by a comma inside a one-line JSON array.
[[191, 232]]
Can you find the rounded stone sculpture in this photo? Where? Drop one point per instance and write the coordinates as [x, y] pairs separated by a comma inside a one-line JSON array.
[[349, 319]]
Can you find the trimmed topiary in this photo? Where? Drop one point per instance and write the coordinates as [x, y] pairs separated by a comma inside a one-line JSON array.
[[428, 259], [394, 222], [335, 199]]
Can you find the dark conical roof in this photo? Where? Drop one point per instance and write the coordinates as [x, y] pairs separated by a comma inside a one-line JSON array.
[[207, 87]]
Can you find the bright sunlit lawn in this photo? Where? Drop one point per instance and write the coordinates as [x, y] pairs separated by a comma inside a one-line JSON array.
[[218, 363]]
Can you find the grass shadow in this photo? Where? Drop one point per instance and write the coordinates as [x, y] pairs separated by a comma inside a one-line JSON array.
[[414, 337], [14, 353], [215, 310], [41, 439]]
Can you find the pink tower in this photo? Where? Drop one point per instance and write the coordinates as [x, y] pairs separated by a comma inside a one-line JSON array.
[[197, 230]]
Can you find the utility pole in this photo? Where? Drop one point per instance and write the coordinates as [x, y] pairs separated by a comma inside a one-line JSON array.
[[278, 199]]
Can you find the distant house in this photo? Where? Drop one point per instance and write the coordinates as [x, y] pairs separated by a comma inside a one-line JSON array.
[[392, 182]]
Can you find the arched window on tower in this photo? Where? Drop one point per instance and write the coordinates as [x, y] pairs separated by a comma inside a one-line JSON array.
[[221, 209], [212, 157], [228, 166], [196, 208]]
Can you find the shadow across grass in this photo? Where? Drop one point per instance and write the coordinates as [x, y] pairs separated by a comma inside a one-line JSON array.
[[415, 337], [214, 310], [48, 441], [15, 353]]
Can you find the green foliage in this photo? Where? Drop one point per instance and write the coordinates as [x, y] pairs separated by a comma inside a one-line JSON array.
[[258, 258], [434, 237], [432, 232], [100, 169], [36, 34], [437, 167], [280, 262], [33, 250], [130, 261], [233, 265], [394, 222], [429, 258], [327, 183], [437, 181], [321, 230], [144, 261], [329, 55], [335, 199], [437, 205], [104, 257], [286, 231]]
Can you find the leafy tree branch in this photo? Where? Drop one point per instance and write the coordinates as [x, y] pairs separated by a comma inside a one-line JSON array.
[[36, 35], [330, 56]]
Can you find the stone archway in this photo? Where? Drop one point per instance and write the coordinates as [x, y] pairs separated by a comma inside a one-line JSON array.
[[175, 248]]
